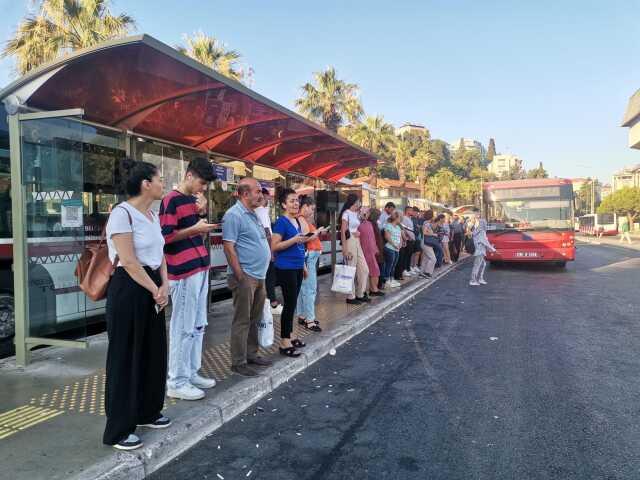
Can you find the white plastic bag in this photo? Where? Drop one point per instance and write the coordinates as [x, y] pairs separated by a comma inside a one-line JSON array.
[[343, 279], [265, 327]]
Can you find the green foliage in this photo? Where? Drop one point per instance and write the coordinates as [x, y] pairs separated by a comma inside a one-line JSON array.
[[625, 201], [214, 54], [538, 172], [330, 101], [62, 26], [583, 198]]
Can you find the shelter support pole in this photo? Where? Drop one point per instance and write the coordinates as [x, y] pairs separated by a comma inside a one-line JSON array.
[[21, 306], [334, 243]]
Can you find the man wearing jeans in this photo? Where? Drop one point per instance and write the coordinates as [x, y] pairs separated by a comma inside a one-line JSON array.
[[184, 227], [248, 255]]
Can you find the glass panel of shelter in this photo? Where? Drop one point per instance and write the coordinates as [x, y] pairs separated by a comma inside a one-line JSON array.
[[69, 174]]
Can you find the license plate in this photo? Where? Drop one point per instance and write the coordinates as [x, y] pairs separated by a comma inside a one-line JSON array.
[[526, 254]]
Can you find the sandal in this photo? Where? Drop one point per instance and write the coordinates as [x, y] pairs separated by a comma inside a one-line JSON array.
[[289, 352], [302, 321], [312, 325], [298, 344]]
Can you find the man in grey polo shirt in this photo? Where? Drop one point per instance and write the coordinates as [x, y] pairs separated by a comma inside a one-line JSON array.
[[248, 255]]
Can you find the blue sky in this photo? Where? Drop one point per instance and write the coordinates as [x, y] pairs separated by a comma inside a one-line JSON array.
[[549, 80]]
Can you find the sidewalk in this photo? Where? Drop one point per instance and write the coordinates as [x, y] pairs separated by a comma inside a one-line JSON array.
[[610, 240], [51, 412]]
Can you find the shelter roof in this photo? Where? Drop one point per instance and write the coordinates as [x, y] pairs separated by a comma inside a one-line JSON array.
[[144, 86]]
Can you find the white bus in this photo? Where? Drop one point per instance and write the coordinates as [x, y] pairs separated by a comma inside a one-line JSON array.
[[598, 224]]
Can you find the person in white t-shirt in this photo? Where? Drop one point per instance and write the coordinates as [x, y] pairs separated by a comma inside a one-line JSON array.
[[352, 250], [389, 208], [136, 296], [262, 212]]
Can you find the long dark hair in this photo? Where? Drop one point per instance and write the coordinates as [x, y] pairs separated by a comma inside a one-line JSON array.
[[351, 199]]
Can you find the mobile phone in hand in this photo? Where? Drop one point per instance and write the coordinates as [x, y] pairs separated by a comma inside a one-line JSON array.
[[158, 308]]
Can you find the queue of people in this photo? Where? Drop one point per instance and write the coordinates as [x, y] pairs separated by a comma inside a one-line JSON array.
[[162, 257]]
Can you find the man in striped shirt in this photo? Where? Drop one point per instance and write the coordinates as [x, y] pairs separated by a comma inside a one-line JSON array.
[[184, 226]]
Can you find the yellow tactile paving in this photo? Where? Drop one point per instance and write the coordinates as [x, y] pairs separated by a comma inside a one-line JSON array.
[[24, 417], [86, 395]]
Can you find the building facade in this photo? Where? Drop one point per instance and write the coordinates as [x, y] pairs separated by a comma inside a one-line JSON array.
[[409, 127], [389, 190], [627, 177], [469, 144], [632, 120], [502, 165]]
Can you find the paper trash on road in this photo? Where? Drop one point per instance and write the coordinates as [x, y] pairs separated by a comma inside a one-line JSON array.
[[493, 339], [332, 351]]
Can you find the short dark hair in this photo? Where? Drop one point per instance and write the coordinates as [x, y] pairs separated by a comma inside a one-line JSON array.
[[407, 208], [416, 209], [428, 215], [390, 205], [201, 168], [284, 193], [134, 173], [265, 191], [306, 200], [439, 217]]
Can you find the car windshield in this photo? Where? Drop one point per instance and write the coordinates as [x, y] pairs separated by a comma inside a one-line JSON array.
[[543, 209]]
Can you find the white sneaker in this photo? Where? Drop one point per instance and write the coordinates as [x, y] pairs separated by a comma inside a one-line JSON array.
[[202, 382], [408, 273], [474, 283], [185, 392], [394, 284], [415, 270], [482, 281], [276, 310]]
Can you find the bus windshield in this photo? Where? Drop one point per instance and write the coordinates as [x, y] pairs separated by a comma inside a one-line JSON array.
[[540, 208]]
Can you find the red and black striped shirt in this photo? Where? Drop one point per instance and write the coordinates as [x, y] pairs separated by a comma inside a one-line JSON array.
[[189, 255]]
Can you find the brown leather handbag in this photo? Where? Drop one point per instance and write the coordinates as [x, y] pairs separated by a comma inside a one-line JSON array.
[[94, 269]]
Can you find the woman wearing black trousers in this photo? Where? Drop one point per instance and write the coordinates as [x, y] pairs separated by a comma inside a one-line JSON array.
[[138, 290], [287, 243]]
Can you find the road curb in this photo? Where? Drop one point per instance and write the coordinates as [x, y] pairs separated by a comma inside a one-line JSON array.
[[161, 447]]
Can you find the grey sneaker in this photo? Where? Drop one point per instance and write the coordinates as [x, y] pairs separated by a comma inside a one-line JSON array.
[[244, 371], [130, 443], [162, 422]]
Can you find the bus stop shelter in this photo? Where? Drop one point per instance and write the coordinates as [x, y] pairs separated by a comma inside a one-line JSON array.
[[71, 121]]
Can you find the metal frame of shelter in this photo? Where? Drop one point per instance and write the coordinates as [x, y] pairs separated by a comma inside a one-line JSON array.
[[180, 102]]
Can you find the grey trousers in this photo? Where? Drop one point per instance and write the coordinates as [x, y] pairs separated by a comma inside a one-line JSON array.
[[479, 264]]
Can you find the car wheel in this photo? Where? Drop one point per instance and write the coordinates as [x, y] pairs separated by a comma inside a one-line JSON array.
[[7, 316], [561, 264]]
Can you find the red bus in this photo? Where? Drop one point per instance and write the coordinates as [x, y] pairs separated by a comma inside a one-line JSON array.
[[530, 220]]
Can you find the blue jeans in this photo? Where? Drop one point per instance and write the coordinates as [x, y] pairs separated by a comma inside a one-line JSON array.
[[186, 330], [306, 306], [390, 261]]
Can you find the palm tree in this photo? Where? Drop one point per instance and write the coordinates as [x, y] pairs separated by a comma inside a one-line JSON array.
[[214, 54], [330, 101], [402, 153], [374, 134], [62, 26]]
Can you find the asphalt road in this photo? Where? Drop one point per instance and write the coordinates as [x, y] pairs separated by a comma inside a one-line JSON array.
[[534, 376]]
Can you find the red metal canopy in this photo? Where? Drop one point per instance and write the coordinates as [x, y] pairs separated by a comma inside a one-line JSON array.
[[142, 85]]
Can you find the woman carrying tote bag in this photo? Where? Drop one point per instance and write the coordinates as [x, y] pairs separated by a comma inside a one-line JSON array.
[[137, 292]]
